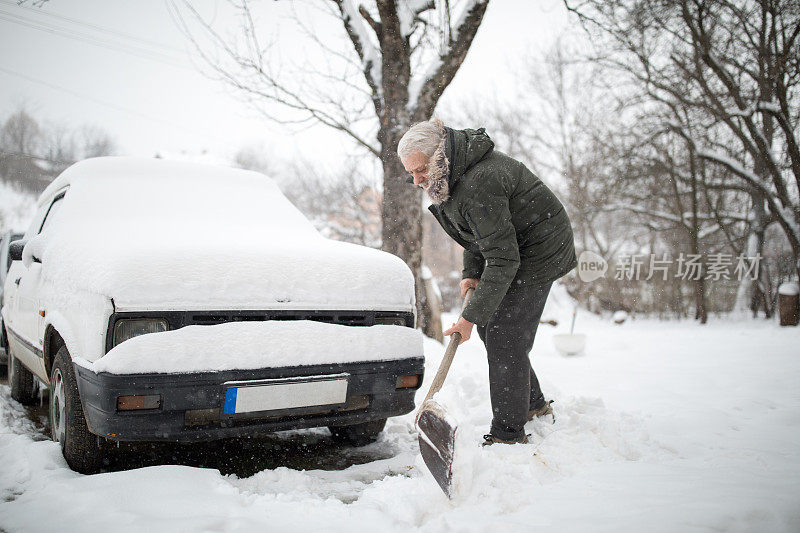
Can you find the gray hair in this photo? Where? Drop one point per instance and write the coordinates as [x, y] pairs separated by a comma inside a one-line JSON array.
[[422, 137]]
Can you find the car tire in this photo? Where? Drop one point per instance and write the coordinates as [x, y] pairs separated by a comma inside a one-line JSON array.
[[3, 350], [358, 434], [80, 447], [21, 381]]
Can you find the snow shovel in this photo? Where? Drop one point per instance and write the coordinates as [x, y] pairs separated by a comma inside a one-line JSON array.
[[437, 431]]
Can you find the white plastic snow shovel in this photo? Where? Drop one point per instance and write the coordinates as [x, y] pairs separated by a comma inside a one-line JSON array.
[[570, 343], [437, 430]]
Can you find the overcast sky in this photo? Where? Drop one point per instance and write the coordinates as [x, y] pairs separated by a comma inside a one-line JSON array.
[[126, 67]]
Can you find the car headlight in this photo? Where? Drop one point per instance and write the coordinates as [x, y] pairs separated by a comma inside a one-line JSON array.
[[129, 328], [390, 320]]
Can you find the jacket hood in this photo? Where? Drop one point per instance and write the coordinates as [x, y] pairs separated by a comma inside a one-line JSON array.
[[464, 149]]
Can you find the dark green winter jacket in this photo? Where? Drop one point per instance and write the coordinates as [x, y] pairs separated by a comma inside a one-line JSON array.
[[512, 227]]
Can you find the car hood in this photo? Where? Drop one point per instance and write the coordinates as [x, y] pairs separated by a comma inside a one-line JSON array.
[[277, 273]]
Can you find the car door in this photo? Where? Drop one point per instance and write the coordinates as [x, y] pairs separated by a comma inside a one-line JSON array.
[[29, 320]]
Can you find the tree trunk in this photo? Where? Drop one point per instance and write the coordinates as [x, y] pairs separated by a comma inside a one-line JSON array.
[[401, 215], [694, 236], [700, 312], [434, 304], [746, 286], [759, 288]]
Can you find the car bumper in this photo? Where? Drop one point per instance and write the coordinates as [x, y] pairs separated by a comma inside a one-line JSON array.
[[192, 406]]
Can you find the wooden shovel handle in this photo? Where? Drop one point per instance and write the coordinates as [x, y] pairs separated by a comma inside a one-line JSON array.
[[455, 340]]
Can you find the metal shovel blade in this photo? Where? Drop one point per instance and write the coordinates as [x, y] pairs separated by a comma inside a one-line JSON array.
[[437, 440]]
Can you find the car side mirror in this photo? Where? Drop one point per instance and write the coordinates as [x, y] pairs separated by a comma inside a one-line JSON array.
[[15, 250]]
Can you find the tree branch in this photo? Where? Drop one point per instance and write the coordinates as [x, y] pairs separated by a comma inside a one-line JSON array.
[[376, 26], [433, 87], [368, 58]]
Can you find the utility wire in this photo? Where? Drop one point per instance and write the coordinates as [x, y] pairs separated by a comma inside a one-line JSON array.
[[89, 39], [12, 3], [92, 40], [208, 135]]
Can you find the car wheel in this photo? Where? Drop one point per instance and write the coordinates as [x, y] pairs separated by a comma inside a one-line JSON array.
[[68, 427], [21, 381], [358, 434], [3, 350]]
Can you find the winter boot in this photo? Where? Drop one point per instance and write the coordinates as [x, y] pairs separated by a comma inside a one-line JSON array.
[[541, 411], [490, 439]]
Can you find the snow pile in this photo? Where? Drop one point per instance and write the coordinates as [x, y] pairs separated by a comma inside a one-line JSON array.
[[663, 426], [619, 317], [252, 345], [789, 289], [167, 234]]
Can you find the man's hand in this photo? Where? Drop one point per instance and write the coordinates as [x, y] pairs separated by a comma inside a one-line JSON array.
[[463, 326], [468, 283]]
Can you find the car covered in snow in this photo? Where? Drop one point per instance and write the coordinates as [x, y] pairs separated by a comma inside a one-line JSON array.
[[170, 301]]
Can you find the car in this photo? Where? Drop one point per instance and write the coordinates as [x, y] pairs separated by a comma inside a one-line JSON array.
[[172, 301], [5, 262]]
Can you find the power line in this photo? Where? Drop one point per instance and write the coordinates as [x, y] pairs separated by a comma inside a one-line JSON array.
[[96, 27], [92, 40], [107, 104]]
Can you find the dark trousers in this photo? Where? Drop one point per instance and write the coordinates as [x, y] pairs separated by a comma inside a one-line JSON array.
[[508, 338]]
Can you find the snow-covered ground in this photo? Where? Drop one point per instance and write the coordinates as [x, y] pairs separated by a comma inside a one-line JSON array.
[[661, 426]]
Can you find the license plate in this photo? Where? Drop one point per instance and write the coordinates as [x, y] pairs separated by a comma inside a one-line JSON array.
[[288, 393]]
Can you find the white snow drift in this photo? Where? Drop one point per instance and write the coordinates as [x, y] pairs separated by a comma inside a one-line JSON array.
[[661, 426]]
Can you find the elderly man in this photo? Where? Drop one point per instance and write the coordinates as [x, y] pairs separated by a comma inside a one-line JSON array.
[[517, 240]]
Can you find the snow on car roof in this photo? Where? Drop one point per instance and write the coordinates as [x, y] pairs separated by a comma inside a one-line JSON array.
[[151, 232], [139, 192], [123, 167]]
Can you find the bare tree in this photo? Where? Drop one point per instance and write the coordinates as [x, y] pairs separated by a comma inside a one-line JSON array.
[[21, 133], [93, 141], [255, 158], [20, 144], [406, 53], [732, 69], [32, 155], [64, 146], [630, 183], [345, 206]]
